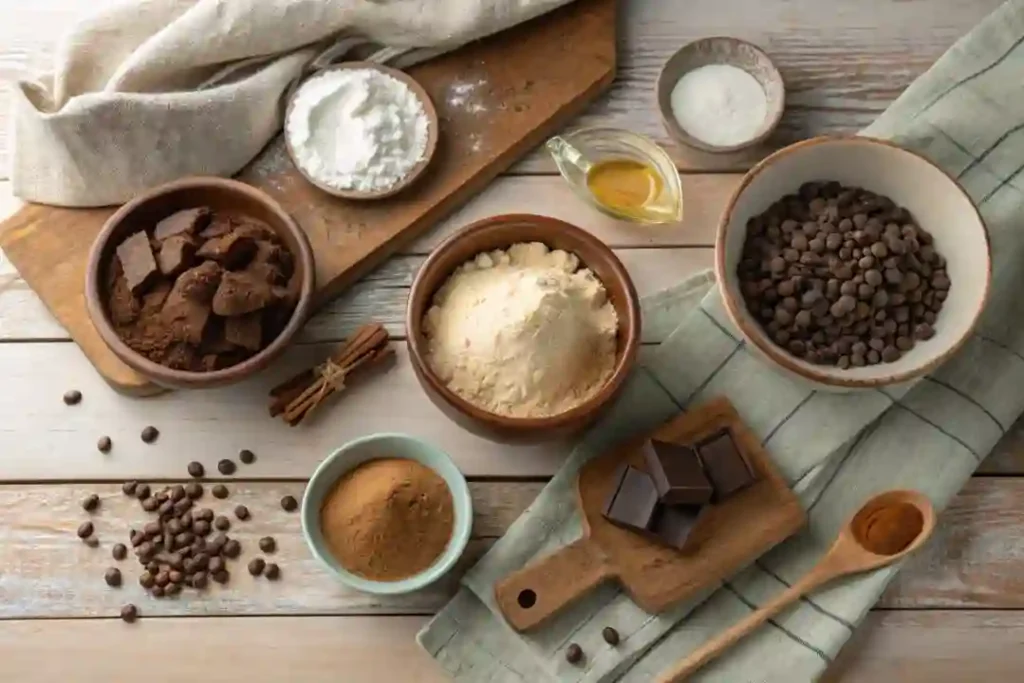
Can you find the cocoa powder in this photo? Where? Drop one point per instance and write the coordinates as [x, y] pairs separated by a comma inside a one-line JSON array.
[[388, 519], [890, 529]]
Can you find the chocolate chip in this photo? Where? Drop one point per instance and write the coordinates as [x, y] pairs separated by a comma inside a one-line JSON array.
[[92, 542], [150, 434], [268, 544], [574, 653], [172, 589], [232, 549], [200, 580], [147, 579], [196, 469], [85, 530], [220, 491], [204, 514], [157, 591], [177, 492], [289, 504], [201, 527], [128, 488], [142, 491], [119, 551], [246, 456], [242, 512], [104, 444], [182, 506], [610, 635], [72, 397], [272, 572], [194, 490], [222, 523], [221, 577], [91, 502], [150, 504], [256, 566], [216, 564], [129, 613], [113, 577], [226, 467]]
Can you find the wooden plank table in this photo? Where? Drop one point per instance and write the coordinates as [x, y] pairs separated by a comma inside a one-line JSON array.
[[955, 614]]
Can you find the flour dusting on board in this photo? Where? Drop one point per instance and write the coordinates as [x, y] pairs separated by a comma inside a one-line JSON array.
[[467, 95], [272, 163]]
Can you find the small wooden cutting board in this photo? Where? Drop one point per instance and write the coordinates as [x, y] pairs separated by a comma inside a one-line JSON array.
[[497, 99], [729, 536]]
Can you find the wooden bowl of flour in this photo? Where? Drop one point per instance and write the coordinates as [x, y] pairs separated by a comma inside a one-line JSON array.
[[501, 232], [299, 119]]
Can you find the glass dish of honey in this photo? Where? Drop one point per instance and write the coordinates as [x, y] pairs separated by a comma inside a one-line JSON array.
[[622, 174]]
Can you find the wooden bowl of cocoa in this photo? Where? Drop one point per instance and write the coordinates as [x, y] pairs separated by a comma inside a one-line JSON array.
[[199, 283], [523, 328]]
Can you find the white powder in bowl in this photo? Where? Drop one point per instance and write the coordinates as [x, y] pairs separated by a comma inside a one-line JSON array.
[[524, 332], [719, 104], [357, 129]]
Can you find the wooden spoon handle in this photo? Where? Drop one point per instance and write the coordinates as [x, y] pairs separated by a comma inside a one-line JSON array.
[[723, 641], [536, 592]]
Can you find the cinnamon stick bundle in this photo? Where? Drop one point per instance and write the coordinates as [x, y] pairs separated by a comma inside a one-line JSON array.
[[296, 398]]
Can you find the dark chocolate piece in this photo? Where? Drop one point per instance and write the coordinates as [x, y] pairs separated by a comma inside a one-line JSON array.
[[675, 523], [245, 331], [219, 226], [246, 291], [232, 251], [724, 464], [677, 473], [185, 222], [137, 263], [185, 318], [200, 283], [633, 503], [177, 254]]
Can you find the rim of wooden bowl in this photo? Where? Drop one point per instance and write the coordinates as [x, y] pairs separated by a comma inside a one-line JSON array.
[[670, 75], [756, 335], [433, 123]]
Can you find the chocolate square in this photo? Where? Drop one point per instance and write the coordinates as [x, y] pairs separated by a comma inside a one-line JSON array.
[[185, 222], [633, 503], [137, 263], [724, 464], [677, 473], [675, 524], [245, 331]]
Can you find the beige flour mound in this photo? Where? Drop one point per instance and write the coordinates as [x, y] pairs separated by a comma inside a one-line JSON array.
[[524, 332]]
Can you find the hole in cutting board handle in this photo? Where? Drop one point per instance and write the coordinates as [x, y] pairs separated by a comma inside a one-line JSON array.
[[526, 598]]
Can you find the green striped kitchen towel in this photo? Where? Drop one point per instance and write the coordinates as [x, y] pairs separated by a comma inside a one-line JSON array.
[[967, 114]]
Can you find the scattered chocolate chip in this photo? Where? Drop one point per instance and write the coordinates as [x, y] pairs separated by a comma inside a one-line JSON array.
[[91, 502], [216, 564], [574, 653], [201, 527], [85, 530], [146, 579], [200, 580], [610, 635], [196, 469], [92, 542], [272, 571], [113, 577], [129, 613], [172, 589], [72, 397], [256, 566], [222, 523], [242, 512], [119, 551], [104, 444], [142, 491], [232, 549], [220, 491], [221, 577], [194, 490], [267, 544], [289, 504], [128, 488], [246, 456], [150, 434], [226, 467], [204, 514], [157, 591], [150, 504]]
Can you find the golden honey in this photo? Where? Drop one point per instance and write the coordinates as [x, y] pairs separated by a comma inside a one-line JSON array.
[[624, 185]]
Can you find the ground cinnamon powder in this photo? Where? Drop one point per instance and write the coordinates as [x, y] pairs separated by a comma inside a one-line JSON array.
[[890, 529], [388, 519]]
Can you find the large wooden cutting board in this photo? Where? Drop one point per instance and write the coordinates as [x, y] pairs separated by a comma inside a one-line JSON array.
[[497, 99]]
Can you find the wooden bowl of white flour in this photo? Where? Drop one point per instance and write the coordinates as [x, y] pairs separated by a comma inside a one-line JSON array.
[[361, 130], [522, 327]]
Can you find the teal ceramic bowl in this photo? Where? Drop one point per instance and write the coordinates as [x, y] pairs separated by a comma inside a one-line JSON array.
[[373, 447]]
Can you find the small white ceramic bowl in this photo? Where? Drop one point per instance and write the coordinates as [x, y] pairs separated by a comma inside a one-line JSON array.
[[355, 453], [937, 202]]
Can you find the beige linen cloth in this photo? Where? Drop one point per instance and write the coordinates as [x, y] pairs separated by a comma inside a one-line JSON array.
[[152, 90]]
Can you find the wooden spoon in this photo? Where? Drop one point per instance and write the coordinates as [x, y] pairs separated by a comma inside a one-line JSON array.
[[886, 528]]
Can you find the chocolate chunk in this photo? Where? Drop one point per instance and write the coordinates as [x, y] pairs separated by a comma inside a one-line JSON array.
[[610, 635], [91, 502], [201, 527], [220, 225], [232, 251], [129, 613], [186, 318], [204, 514], [104, 444], [574, 653], [245, 331], [150, 504], [242, 512], [72, 397], [221, 523], [185, 222], [675, 523], [177, 254], [724, 464], [268, 544], [113, 577], [256, 566], [149, 434], [633, 503], [244, 292], [199, 283], [119, 551], [272, 571], [137, 263], [142, 490], [220, 491], [92, 542], [85, 530], [128, 488], [289, 504], [196, 469], [222, 576], [200, 580], [246, 456], [194, 490], [275, 255], [677, 473], [232, 549]]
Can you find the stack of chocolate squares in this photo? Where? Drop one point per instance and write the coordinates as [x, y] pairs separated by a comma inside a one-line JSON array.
[[666, 502]]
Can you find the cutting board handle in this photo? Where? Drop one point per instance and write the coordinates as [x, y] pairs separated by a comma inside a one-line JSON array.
[[536, 592]]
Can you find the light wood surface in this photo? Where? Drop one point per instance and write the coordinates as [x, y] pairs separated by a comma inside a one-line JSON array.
[[956, 612]]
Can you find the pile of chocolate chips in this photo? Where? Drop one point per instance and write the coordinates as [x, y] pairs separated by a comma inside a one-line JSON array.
[[201, 290], [842, 276]]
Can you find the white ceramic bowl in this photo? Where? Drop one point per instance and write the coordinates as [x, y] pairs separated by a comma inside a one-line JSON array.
[[938, 203]]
